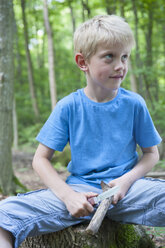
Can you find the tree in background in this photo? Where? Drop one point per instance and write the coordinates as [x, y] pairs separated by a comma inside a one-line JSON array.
[[29, 62], [6, 96], [52, 78]]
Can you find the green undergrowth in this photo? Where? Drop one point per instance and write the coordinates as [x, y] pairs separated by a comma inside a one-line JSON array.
[[20, 188]]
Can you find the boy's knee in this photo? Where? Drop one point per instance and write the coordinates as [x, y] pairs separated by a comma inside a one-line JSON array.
[[6, 239]]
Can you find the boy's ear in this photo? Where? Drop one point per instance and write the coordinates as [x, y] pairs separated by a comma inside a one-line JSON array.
[[81, 62]]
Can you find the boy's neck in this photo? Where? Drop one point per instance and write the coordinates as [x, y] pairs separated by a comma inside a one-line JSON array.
[[99, 95]]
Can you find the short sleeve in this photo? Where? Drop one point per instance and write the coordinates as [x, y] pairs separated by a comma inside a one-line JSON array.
[[54, 134], [146, 134]]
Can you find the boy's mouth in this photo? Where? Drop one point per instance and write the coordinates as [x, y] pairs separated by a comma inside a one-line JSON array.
[[117, 76]]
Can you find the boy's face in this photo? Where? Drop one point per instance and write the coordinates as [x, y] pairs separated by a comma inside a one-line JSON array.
[[108, 67]]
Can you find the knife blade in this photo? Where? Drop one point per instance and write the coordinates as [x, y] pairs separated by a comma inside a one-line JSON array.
[[106, 194]]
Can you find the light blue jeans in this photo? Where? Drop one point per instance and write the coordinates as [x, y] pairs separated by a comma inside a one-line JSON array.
[[39, 212]]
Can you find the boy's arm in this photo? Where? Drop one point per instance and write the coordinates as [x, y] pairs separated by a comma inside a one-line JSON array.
[[149, 158], [76, 203]]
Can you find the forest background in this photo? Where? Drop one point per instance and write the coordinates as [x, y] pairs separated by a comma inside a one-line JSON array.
[[44, 67], [33, 101]]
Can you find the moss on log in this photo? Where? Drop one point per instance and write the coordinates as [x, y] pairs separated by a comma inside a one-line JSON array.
[[110, 235]]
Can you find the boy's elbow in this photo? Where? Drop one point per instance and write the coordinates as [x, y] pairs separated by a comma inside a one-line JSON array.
[[157, 155], [34, 162]]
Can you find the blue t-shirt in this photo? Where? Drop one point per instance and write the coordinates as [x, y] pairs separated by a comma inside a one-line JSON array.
[[102, 136]]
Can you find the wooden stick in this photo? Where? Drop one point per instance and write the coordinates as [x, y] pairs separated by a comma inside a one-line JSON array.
[[156, 174], [100, 213]]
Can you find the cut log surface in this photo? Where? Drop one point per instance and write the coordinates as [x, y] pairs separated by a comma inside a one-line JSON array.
[[110, 235]]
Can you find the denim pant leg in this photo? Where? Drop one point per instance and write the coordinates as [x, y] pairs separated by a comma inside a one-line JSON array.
[[144, 204], [35, 213]]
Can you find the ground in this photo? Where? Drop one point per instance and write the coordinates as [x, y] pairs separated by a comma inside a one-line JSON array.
[[23, 170]]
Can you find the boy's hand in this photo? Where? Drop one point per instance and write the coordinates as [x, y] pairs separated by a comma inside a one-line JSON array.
[[124, 185], [78, 204]]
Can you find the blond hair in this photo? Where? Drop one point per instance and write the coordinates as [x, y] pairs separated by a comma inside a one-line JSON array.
[[102, 29]]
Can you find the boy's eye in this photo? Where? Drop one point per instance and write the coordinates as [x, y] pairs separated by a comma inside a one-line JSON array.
[[109, 56], [124, 57]]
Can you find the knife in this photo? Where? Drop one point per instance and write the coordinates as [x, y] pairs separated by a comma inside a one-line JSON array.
[[106, 194]]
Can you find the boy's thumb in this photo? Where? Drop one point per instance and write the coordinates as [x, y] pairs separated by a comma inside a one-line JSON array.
[[111, 184]]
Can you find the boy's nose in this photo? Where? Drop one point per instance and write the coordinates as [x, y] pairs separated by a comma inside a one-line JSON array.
[[118, 66]]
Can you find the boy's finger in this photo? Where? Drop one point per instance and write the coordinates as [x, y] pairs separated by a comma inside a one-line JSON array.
[[89, 208], [91, 201], [115, 199], [90, 194]]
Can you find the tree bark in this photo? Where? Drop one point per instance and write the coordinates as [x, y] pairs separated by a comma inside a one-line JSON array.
[[15, 126], [29, 62], [139, 64], [150, 77], [110, 235], [52, 79], [6, 96]]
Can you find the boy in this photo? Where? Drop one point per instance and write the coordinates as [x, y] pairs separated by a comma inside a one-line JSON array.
[[103, 124]]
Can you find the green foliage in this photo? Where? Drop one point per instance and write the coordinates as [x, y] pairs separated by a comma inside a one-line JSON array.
[[160, 166], [158, 115], [61, 159], [20, 188], [28, 134]]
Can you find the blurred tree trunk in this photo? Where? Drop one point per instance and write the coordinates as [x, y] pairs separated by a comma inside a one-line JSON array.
[[163, 38], [6, 96], [133, 81], [39, 48], [52, 79], [72, 16], [122, 7], [15, 126], [150, 76], [17, 55], [18, 77], [86, 11], [29, 62], [110, 6], [138, 61]]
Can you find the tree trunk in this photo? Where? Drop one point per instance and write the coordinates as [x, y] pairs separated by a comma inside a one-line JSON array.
[[6, 95], [138, 61], [86, 11], [110, 7], [110, 235], [72, 16], [15, 126], [52, 79], [150, 77], [132, 78], [122, 6], [29, 62]]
